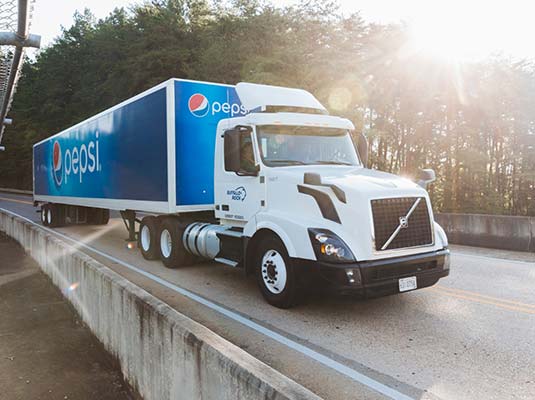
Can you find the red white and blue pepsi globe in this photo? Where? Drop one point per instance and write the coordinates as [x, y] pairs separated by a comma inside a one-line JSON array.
[[198, 105], [57, 163]]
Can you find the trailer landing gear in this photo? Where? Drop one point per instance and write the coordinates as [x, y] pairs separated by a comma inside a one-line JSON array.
[[129, 219]]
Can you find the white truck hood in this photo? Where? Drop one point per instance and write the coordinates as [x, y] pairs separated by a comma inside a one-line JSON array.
[[355, 181], [372, 183], [359, 186]]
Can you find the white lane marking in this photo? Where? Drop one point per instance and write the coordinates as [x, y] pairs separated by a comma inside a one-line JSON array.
[[459, 253], [328, 362]]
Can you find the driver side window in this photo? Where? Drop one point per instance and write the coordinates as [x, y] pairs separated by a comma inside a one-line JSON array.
[[247, 161]]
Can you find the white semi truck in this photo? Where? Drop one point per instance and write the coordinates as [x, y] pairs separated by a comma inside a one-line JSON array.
[[252, 176]]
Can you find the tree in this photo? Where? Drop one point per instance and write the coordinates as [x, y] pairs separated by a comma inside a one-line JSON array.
[[473, 123]]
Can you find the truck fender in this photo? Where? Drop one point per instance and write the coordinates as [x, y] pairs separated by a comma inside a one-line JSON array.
[[441, 234], [251, 241], [280, 233]]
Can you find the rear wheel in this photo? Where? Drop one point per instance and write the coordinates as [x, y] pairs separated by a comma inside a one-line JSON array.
[[148, 238], [44, 214], [172, 251], [275, 274], [104, 217], [97, 216], [52, 215]]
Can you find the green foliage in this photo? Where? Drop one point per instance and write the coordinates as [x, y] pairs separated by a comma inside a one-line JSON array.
[[473, 123]]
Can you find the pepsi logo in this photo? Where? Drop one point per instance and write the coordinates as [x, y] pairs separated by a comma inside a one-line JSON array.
[[57, 163], [198, 105]]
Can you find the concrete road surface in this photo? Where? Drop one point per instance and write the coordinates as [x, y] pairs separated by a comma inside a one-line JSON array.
[[472, 336]]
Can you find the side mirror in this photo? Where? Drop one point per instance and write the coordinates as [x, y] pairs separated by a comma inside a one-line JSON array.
[[362, 148], [425, 177], [232, 150]]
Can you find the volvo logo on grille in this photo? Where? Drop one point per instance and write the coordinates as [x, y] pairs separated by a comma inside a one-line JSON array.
[[403, 224]]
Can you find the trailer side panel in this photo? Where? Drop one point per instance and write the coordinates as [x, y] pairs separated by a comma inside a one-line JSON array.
[[199, 107], [121, 154]]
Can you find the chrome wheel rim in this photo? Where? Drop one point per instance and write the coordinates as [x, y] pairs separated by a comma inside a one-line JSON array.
[[166, 244], [274, 274], [49, 216], [145, 238], [43, 215]]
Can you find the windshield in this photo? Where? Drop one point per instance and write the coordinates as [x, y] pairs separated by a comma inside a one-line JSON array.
[[303, 145]]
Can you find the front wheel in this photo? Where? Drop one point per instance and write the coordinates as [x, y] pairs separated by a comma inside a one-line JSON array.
[[275, 274]]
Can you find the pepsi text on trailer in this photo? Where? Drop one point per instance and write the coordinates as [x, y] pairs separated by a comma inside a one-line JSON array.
[[77, 160], [199, 106]]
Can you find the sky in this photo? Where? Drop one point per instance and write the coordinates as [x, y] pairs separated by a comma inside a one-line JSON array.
[[458, 29]]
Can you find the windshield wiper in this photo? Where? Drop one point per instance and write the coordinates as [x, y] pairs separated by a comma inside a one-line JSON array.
[[331, 162], [289, 162]]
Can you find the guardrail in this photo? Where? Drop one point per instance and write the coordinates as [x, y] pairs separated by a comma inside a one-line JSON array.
[[493, 231], [163, 354], [15, 191]]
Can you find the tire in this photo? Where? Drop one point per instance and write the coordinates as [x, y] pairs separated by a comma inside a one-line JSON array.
[[104, 216], [171, 249], [148, 240], [54, 215], [97, 216], [44, 212], [276, 276], [91, 215]]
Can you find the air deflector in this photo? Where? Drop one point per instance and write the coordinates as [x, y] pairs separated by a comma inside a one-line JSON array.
[[257, 97]]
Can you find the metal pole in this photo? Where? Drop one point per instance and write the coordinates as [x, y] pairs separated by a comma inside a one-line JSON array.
[[22, 26], [12, 39], [22, 36]]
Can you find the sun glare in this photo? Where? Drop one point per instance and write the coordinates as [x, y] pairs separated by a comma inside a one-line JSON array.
[[468, 31]]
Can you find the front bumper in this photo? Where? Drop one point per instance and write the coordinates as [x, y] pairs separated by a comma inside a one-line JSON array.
[[378, 277]]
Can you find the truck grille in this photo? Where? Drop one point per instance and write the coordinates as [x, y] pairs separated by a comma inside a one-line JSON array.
[[388, 215]]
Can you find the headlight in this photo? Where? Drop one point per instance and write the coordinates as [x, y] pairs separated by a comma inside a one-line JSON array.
[[329, 247]]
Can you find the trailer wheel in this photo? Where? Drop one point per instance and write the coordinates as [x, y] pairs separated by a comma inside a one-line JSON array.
[[44, 214], [172, 251], [104, 216], [97, 216], [148, 238], [53, 215], [275, 274]]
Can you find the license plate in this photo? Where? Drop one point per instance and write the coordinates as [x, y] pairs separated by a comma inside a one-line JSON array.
[[407, 284]]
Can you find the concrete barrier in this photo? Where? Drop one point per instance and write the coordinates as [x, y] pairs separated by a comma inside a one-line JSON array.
[[163, 354], [493, 231]]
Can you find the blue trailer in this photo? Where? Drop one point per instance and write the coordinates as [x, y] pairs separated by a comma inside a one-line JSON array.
[[153, 152]]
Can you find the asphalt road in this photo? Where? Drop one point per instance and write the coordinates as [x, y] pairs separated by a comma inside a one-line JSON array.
[[471, 336]]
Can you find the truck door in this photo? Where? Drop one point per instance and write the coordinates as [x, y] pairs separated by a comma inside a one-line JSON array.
[[239, 191]]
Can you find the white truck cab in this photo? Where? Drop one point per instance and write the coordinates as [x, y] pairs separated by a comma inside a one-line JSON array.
[[296, 205]]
